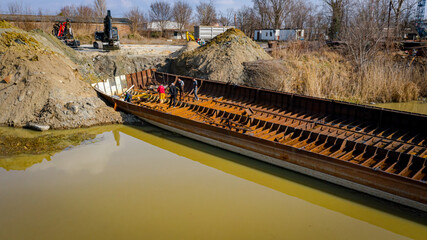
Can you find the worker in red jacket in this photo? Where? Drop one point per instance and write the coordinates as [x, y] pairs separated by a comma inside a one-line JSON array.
[[161, 91]]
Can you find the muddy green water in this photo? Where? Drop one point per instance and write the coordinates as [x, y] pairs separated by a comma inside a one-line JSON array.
[[414, 106], [126, 182]]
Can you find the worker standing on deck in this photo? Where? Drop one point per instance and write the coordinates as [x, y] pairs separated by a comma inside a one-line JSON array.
[[195, 89], [161, 91], [128, 97], [172, 92], [180, 86]]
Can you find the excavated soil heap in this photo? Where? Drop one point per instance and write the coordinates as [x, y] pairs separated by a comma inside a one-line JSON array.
[[221, 59], [42, 86], [190, 46]]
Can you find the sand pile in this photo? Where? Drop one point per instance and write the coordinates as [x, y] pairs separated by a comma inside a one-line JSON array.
[[190, 46], [39, 85], [221, 59]]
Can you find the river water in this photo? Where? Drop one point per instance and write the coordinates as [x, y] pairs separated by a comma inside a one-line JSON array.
[[414, 106], [123, 182]]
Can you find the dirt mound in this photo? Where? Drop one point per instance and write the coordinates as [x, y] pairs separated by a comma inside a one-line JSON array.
[[190, 46], [221, 59], [106, 66], [55, 45], [270, 74], [39, 85]]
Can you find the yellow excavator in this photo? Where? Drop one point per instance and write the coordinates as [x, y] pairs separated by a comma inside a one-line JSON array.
[[189, 37]]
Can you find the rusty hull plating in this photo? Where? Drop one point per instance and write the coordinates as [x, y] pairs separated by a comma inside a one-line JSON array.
[[376, 151]]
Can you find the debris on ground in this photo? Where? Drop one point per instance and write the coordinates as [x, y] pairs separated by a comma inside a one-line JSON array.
[[221, 59]]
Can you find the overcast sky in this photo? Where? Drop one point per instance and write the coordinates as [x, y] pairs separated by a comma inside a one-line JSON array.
[[118, 7]]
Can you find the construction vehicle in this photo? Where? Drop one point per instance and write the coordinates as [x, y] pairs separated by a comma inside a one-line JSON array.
[[64, 33], [189, 36], [109, 38], [421, 24]]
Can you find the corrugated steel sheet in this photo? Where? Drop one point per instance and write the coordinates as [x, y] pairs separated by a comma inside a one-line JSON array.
[[208, 32]]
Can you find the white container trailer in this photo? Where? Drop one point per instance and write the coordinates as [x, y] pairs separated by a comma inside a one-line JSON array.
[[266, 35], [208, 32], [279, 35], [291, 34]]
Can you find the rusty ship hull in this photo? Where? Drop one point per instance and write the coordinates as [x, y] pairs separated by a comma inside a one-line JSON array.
[[376, 151]]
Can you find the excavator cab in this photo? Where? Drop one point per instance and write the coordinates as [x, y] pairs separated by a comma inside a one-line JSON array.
[[109, 38]]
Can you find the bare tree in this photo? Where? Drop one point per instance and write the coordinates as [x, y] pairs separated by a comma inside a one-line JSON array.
[[18, 8], [278, 11], [402, 11], [337, 9], [100, 7], [261, 8], [15, 7], [85, 11], [136, 18], [397, 5], [272, 13], [68, 11], [316, 26], [300, 14], [365, 31], [206, 13], [161, 13], [246, 20], [408, 13], [227, 18], [182, 14]]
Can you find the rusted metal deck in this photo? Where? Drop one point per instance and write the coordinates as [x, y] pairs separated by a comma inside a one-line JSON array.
[[377, 151]]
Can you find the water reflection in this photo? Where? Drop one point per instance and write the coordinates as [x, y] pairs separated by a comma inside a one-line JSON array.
[[155, 171], [116, 134], [21, 148], [330, 196]]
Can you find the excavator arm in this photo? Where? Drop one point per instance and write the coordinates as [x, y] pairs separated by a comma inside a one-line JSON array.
[[189, 36]]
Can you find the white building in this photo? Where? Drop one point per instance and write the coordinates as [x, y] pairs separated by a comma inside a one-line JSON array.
[[279, 35], [155, 26]]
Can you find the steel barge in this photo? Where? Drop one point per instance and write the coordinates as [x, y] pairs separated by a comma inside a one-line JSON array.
[[376, 151]]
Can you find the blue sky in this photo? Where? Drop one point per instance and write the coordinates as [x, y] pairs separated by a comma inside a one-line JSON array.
[[119, 7]]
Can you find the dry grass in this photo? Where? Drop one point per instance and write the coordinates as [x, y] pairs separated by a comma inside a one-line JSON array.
[[328, 74], [17, 41], [5, 24], [85, 38]]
